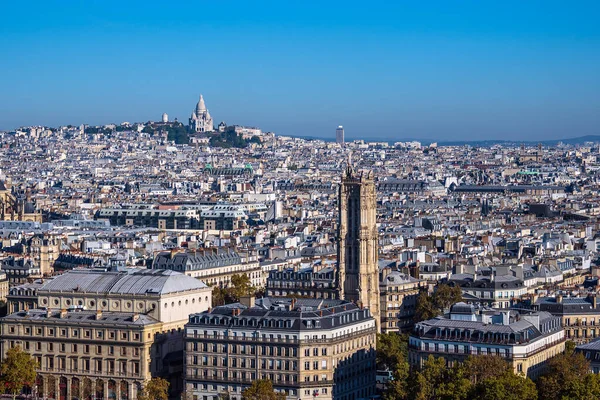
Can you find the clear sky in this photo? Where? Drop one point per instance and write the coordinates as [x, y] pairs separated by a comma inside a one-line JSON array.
[[432, 69]]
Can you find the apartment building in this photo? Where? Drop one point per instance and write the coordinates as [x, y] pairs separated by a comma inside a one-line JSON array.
[[526, 339], [103, 334], [306, 347], [310, 282], [580, 316], [399, 293], [214, 267], [85, 353]]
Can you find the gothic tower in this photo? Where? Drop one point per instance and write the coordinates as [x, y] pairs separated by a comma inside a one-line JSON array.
[[358, 274]]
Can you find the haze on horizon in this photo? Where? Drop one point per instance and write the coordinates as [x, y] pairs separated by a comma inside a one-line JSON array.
[[464, 70]]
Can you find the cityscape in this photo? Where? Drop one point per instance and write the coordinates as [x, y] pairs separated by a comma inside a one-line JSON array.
[[218, 258]]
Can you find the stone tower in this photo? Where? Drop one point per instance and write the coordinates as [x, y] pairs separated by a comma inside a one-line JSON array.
[[358, 275]]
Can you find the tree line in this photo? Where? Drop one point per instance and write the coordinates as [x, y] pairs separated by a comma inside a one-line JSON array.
[[485, 377]]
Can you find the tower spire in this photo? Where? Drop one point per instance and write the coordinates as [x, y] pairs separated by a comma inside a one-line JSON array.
[[357, 269]]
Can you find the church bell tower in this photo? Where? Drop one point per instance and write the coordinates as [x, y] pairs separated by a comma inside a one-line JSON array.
[[358, 274]]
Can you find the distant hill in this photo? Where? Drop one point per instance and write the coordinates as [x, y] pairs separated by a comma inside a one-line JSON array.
[[474, 143], [552, 142]]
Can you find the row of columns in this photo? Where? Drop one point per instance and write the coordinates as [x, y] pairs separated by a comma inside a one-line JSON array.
[[42, 389]]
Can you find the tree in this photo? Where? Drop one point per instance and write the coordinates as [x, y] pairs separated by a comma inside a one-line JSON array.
[[431, 306], [570, 347], [17, 370], [398, 388], [86, 388], [437, 382], [482, 367], [444, 296], [261, 389], [224, 395], [218, 296], [425, 309], [567, 377], [155, 389], [392, 349], [240, 286], [507, 386]]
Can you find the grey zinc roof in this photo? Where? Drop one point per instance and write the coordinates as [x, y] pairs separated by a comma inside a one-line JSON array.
[[593, 345], [132, 281], [85, 316]]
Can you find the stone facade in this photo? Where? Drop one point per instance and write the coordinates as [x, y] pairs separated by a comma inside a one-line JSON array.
[[399, 293], [308, 348], [526, 339], [358, 274], [201, 121]]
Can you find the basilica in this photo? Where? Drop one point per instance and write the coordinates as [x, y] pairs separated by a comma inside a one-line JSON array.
[[201, 121]]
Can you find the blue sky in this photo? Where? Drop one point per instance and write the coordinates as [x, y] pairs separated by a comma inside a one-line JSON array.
[[440, 70]]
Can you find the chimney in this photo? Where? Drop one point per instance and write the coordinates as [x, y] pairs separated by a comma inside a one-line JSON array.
[[249, 301], [384, 273], [559, 298], [63, 313], [593, 300], [98, 314], [293, 303], [48, 312], [135, 317]]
